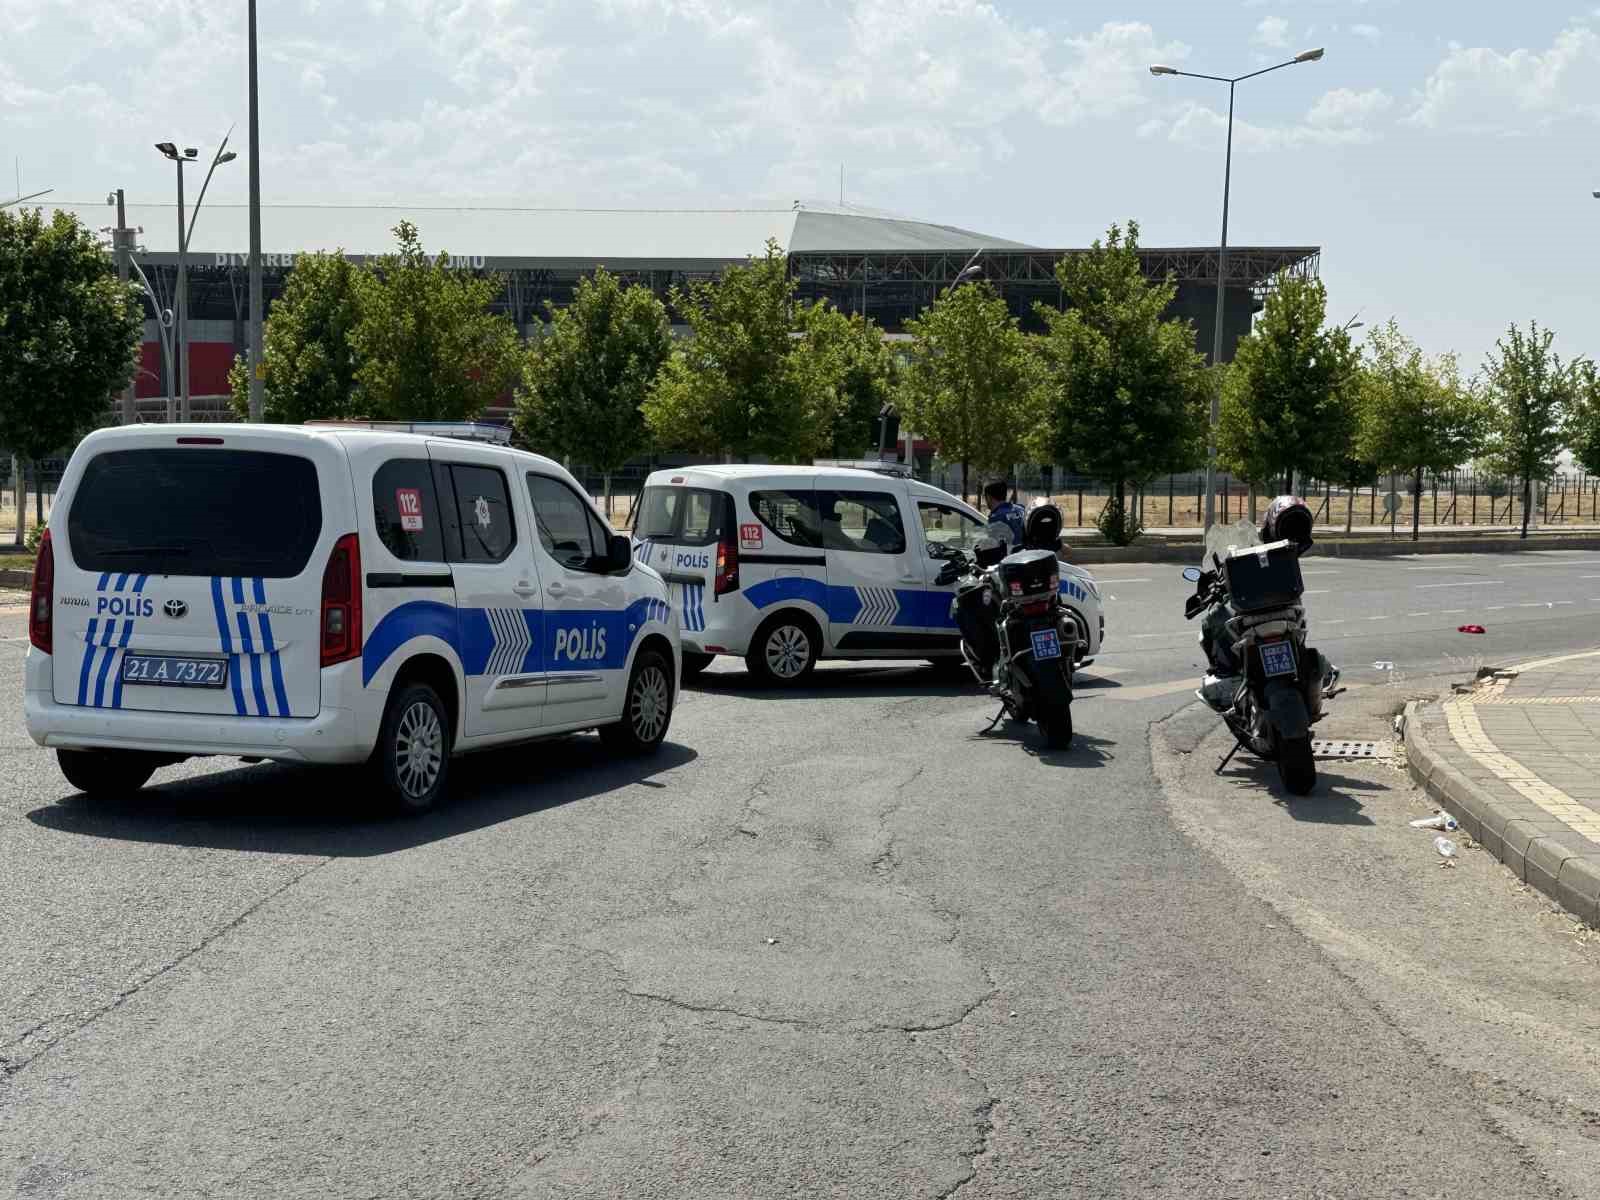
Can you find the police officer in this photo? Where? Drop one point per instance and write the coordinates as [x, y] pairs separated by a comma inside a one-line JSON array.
[[1003, 511]]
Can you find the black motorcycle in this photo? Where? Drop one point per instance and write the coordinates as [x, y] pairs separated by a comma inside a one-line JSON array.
[[1018, 639], [1264, 681]]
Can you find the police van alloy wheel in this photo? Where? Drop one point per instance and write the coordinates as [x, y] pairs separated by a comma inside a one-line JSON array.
[[106, 772], [413, 753], [693, 663], [648, 709], [785, 650]]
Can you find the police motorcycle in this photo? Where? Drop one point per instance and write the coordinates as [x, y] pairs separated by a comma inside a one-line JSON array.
[[1264, 681], [1016, 636]]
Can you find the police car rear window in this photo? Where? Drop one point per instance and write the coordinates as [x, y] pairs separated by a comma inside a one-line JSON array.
[[164, 511], [791, 515], [687, 516]]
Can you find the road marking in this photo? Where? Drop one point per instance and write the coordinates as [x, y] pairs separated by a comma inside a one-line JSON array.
[[1530, 565], [1316, 592], [1137, 579], [1383, 618], [1322, 572], [1451, 612], [1340, 621], [1495, 608], [1422, 587], [1416, 614]]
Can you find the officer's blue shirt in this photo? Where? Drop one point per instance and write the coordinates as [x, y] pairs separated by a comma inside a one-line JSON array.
[[1014, 516]]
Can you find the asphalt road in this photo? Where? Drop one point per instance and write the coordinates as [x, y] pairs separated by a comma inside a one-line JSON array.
[[835, 942]]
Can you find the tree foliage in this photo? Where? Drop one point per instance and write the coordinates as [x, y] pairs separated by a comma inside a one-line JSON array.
[[1583, 416], [847, 353], [1124, 387], [1530, 393], [970, 386], [69, 331], [1415, 415], [1289, 396], [584, 381], [310, 366], [425, 343], [743, 384]]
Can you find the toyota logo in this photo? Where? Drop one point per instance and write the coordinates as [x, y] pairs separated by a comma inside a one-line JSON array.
[[175, 609]]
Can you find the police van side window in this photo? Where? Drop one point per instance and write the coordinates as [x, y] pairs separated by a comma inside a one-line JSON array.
[[567, 527], [790, 515], [483, 511], [862, 522], [406, 510]]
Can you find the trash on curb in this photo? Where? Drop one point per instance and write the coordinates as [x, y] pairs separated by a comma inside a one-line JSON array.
[[1383, 664], [1470, 629], [1446, 848], [1439, 820], [772, 941]]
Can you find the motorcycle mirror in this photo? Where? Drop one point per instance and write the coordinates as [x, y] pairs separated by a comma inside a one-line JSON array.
[[1192, 574]]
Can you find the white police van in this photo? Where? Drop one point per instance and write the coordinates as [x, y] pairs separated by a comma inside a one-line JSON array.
[[333, 595], [787, 565]]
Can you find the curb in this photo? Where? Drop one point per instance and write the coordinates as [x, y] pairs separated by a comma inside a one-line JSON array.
[[16, 579], [1540, 850], [1185, 552]]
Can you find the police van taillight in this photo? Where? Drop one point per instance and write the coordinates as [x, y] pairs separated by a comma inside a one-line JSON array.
[[727, 557], [341, 602], [42, 602]]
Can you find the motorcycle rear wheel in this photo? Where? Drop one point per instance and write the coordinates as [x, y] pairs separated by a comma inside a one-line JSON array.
[[1056, 725], [1297, 770]]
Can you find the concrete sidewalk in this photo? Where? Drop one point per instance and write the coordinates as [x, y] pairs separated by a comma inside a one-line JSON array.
[[1516, 759]]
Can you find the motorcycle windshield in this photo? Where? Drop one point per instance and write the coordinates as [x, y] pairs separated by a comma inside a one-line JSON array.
[[1220, 539]]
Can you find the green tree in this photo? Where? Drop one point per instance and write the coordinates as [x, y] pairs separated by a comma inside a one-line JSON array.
[[1583, 417], [1530, 392], [970, 385], [69, 334], [847, 355], [310, 367], [1289, 396], [1125, 389], [742, 385], [583, 382], [426, 345], [1414, 415]]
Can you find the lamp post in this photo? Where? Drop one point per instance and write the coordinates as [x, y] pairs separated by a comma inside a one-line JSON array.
[[1306, 56], [25, 199], [189, 155]]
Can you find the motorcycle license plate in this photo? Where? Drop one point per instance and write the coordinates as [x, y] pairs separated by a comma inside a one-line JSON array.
[[166, 670], [1046, 644], [1277, 658]]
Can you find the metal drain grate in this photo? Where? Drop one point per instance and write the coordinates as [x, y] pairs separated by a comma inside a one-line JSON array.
[[1336, 748]]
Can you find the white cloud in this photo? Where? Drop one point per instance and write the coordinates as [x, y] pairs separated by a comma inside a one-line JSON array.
[[1370, 32], [1339, 117], [1343, 108], [1272, 32], [1480, 89]]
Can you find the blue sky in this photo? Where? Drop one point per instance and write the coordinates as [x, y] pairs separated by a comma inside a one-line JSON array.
[[1442, 154]]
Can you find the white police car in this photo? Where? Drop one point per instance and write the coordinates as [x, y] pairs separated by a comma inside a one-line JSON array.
[[787, 565], [333, 595]]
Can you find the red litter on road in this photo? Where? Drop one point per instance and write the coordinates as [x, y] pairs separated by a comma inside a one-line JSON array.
[[1470, 629]]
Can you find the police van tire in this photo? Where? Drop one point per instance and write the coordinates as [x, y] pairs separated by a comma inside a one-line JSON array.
[[412, 757], [647, 709], [98, 773], [694, 663], [785, 649]]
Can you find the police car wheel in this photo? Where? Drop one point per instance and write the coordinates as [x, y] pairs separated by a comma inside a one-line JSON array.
[[693, 663], [413, 753], [647, 710], [106, 772], [784, 651]]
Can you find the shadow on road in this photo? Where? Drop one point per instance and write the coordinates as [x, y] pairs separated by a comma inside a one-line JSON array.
[[1085, 750], [866, 682], [1330, 802], [281, 809]]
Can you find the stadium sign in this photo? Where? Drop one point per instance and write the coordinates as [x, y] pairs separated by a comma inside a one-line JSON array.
[[455, 262]]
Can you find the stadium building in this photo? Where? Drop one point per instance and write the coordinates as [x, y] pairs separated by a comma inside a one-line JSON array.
[[887, 267]]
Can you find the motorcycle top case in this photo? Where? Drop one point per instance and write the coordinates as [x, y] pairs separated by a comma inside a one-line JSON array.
[[1263, 577], [1030, 573]]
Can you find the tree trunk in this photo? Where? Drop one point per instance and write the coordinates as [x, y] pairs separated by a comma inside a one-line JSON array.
[[1416, 507], [20, 495], [608, 497], [964, 465], [1527, 503], [38, 495], [1350, 510]]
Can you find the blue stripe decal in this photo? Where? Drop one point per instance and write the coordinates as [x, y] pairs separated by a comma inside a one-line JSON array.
[[122, 581], [227, 645], [89, 652], [238, 590], [105, 577], [427, 618], [139, 583], [116, 687], [105, 664]]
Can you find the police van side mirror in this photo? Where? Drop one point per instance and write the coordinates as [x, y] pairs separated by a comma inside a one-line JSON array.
[[619, 556]]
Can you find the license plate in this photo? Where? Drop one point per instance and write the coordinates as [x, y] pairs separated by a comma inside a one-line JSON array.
[[166, 670], [1046, 644], [1277, 658]]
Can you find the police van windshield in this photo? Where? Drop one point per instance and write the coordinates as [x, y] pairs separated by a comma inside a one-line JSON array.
[[196, 512], [688, 516]]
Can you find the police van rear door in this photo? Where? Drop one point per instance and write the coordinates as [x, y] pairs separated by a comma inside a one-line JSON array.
[[189, 571], [687, 534]]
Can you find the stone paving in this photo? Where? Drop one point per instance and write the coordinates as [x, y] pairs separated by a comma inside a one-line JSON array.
[[1517, 760]]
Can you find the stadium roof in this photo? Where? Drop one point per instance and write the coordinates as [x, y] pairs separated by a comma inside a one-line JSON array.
[[547, 237]]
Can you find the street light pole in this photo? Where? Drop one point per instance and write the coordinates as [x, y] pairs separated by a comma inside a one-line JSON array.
[[190, 154], [163, 328], [122, 251], [256, 364], [1222, 261]]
